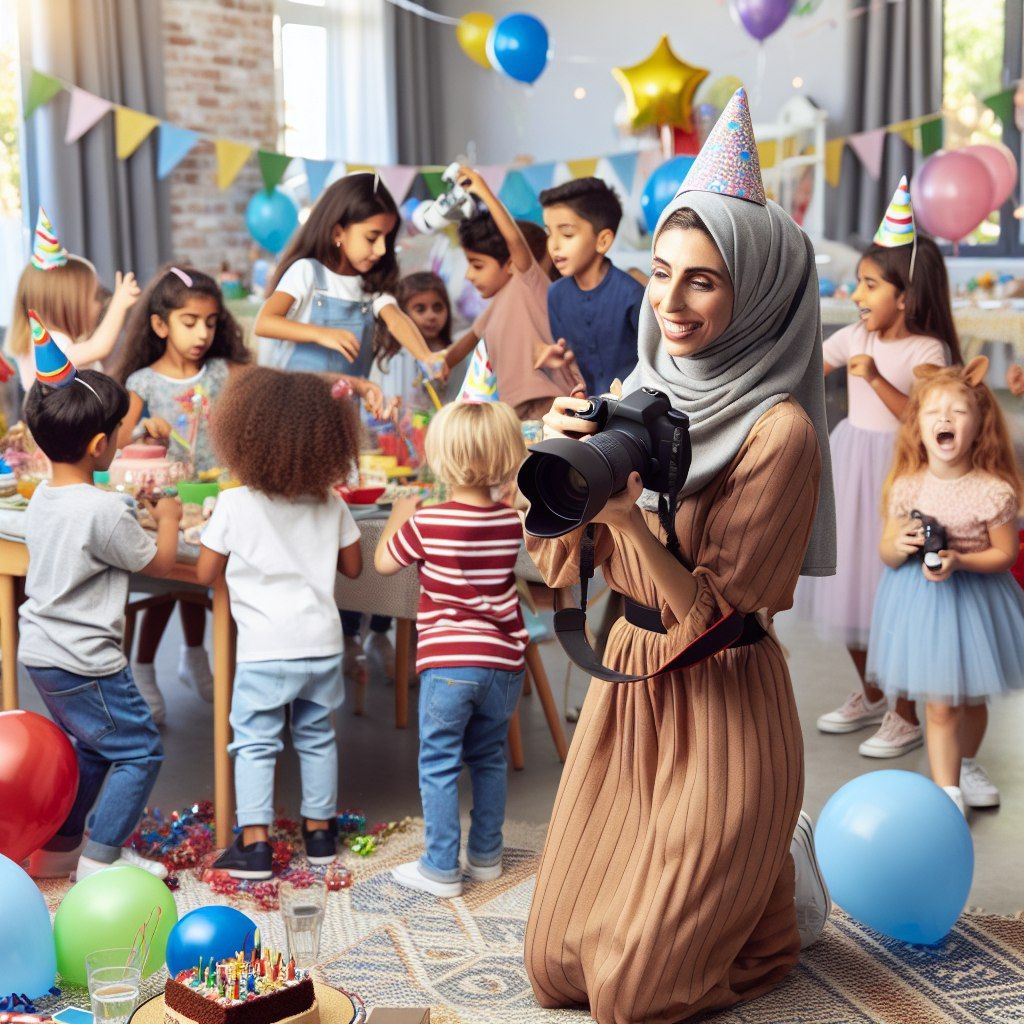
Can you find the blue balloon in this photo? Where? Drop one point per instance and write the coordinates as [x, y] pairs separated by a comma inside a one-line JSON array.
[[271, 217], [826, 287], [897, 855], [518, 45], [661, 188], [28, 957], [217, 932]]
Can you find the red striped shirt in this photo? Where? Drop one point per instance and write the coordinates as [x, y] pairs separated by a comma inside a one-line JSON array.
[[469, 609]]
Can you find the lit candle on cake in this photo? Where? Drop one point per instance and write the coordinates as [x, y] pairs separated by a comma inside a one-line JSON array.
[[257, 950], [291, 968]]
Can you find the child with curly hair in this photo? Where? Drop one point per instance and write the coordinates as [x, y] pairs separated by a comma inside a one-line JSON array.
[[280, 538]]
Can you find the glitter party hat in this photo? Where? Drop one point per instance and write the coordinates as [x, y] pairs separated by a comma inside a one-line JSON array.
[[728, 163], [53, 368], [897, 227], [481, 384], [47, 252]]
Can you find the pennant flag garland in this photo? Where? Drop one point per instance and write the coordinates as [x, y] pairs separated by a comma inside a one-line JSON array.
[[41, 89], [231, 157], [624, 167], [538, 176], [130, 130], [398, 180], [172, 146], [907, 131], [317, 172], [1001, 104], [272, 167], [932, 135], [84, 111], [868, 146], [583, 168], [834, 161], [434, 182], [359, 168]]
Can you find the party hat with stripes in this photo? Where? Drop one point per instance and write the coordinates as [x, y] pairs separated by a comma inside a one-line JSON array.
[[47, 251], [53, 368], [897, 227]]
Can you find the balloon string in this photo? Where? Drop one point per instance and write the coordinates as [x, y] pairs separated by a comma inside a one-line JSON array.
[[414, 8]]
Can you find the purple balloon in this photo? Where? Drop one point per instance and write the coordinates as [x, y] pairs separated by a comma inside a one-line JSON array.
[[952, 194], [761, 17]]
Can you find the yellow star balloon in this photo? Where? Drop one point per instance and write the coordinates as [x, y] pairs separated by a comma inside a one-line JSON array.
[[659, 90]]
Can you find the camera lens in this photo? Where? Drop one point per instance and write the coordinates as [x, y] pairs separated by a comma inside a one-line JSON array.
[[559, 490]]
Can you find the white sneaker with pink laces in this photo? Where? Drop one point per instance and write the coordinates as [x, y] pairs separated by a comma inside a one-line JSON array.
[[856, 713], [895, 737]]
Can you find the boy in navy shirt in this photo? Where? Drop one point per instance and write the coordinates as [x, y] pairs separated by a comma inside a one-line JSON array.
[[595, 307]]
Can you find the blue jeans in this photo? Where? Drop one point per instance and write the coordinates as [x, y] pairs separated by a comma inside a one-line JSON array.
[[464, 715], [116, 743], [312, 689]]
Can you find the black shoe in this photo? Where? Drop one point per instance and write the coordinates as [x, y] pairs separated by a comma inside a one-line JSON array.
[[253, 861], [321, 844]]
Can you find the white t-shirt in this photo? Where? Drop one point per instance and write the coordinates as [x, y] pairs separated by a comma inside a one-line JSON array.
[[299, 281], [282, 564], [27, 361]]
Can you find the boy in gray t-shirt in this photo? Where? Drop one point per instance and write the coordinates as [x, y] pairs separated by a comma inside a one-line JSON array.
[[83, 544]]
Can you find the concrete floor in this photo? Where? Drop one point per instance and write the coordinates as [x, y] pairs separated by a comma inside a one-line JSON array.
[[378, 762]]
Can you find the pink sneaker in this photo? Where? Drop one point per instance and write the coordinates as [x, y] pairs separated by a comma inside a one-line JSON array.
[[895, 737], [855, 714]]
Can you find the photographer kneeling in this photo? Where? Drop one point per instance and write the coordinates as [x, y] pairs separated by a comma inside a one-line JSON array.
[[666, 886]]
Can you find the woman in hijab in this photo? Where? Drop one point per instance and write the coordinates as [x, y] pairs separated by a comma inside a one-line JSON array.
[[666, 886]]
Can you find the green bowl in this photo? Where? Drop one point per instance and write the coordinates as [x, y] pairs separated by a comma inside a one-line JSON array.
[[195, 492]]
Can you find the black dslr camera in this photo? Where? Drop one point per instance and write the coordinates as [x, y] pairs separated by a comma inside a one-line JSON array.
[[935, 539], [567, 482]]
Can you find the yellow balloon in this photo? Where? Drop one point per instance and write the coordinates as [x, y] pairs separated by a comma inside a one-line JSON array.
[[472, 32], [659, 90]]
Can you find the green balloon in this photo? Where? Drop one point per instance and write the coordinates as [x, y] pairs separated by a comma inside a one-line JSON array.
[[105, 911]]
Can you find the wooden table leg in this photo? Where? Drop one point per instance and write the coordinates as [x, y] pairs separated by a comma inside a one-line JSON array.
[[403, 638], [9, 643], [515, 742], [223, 675], [540, 680]]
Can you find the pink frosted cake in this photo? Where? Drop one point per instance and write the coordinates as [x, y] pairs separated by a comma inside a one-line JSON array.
[[144, 465]]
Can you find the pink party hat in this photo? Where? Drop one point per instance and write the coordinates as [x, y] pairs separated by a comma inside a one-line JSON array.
[[728, 163], [481, 384], [47, 252], [897, 227]]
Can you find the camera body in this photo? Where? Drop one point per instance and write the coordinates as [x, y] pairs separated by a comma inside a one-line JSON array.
[[448, 208], [935, 539], [568, 482]]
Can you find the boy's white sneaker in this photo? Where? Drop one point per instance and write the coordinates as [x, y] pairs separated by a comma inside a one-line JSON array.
[[145, 681], [855, 714], [977, 789], [954, 794], [481, 872], [811, 898], [194, 671], [410, 875], [895, 737], [380, 654], [126, 858], [54, 863]]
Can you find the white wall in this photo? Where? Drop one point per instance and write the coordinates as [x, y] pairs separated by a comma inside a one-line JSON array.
[[506, 119]]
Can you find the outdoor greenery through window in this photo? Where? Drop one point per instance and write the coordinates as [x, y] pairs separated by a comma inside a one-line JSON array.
[[10, 159]]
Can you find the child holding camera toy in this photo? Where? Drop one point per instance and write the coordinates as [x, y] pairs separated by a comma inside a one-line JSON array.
[[952, 635]]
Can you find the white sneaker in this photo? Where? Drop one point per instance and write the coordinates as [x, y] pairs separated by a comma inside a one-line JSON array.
[[353, 661], [410, 875], [855, 714], [127, 858], [145, 680], [812, 901], [380, 651], [895, 737], [194, 671], [53, 863], [481, 872], [954, 794], [976, 787]]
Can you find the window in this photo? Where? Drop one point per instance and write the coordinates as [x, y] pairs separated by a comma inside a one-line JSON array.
[[304, 87], [982, 57], [11, 228]]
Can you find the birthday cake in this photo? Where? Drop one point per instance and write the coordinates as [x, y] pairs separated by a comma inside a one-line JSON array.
[[260, 990], [144, 466]]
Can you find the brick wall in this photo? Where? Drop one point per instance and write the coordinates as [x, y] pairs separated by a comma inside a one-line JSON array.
[[219, 78]]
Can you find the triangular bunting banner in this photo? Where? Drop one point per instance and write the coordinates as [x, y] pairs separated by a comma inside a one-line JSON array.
[[932, 133], [768, 153], [317, 173], [399, 178], [907, 131], [585, 168], [130, 130], [84, 111], [359, 168], [624, 167], [434, 182], [173, 144], [869, 146], [538, 176], [494, 176], [41, 89], [231, 157], [1001, 104], [834, 161], [272, 167]]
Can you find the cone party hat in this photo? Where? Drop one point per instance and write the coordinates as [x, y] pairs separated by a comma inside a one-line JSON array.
[[481, 384], [47, 252], [897, 227], [53, 368]]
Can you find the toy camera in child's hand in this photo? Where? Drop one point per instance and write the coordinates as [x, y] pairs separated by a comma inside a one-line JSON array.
[[935, 539], [448, 208]]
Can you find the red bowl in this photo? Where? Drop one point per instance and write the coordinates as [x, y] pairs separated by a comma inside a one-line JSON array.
[[360, 495]]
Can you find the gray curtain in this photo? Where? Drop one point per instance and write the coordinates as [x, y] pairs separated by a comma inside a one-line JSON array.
[[416, 45], [895, 74], [111, 211]]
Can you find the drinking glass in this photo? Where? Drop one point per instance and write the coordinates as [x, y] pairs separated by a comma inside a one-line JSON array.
[[113, 985], [303, 913]]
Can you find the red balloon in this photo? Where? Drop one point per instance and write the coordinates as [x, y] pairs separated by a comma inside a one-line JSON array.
[[1002, 165], [952, 194], [38, 781]]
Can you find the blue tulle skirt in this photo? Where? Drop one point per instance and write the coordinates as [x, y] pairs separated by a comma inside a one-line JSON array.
[[959, 641]]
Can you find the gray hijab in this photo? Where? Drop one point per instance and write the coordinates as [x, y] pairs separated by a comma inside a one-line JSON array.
[[770, 351]]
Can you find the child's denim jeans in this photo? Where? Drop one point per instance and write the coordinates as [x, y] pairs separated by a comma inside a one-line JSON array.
[[464, 715], [116, 742]]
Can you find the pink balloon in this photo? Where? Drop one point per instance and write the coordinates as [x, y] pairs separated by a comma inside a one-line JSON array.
[[952, 194], [1002, 165]]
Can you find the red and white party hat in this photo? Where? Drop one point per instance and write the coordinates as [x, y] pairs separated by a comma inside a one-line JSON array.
[[47, 251]]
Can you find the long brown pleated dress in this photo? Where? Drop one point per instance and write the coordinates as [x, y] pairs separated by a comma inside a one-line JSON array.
[[666, 884]]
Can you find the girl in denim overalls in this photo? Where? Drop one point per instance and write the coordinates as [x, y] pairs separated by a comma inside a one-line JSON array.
[[331, 304]]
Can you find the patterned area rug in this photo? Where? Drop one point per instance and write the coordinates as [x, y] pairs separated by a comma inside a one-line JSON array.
[[463, 957]]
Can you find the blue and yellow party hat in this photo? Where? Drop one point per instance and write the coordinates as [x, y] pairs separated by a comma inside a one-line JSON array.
[[897, 227], [53, 368], [481, 383]]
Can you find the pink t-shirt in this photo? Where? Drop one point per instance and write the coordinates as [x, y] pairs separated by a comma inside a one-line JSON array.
[[895, 361], [967, 507], [515, 319]]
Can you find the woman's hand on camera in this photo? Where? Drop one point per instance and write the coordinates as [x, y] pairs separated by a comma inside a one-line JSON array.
[[558, 424], [621, 509], [910, 539]]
